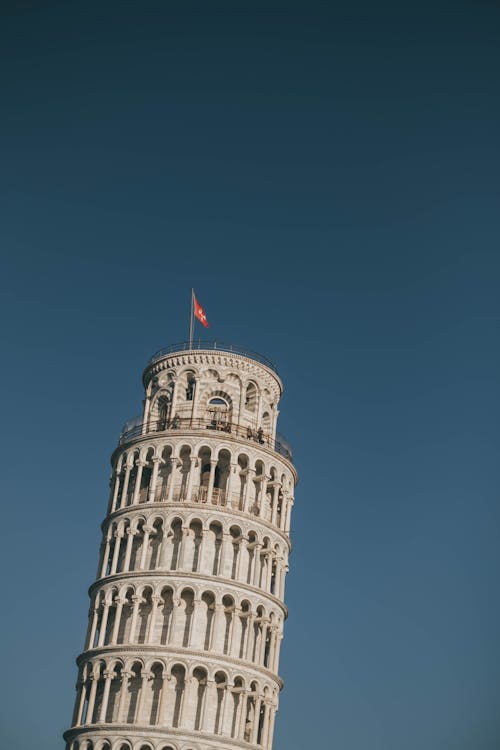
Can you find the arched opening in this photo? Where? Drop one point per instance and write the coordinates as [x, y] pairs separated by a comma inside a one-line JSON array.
[[145, 609], [235, 533], [208, 599], [133, 690], [219, 411], [200, 677], [214, 546], [175, 541], [221, 477], [147, 471], [220, 685], [190, 385], [152, 703], [135, 555], [155, 544], [251, 397], [204, 461], [178, 674], [167, 609], [244, 618], [185, 468], [228, 603]]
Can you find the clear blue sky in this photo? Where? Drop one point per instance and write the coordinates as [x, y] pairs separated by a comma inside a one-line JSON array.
[[326, 175]]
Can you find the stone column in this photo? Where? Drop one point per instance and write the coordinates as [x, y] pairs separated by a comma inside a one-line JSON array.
[[243, 715], [239, 542], [135, 613], [277, 647], [224, 711], [276, 492], [210, 699], [174, 619], [145, 677], [195, 621], [138, 478], [89, 638], [262, 649], [218, 629], [93, 690], [115, 490], [173, 467], [189, 484], [118, 539], [269, 570], [270, 732], [116, 625], [162, 709], [188, 708], [249, 483], [213, 464], [154, 479], [108, 676], [125, 676], [182, 551], [265, 726], [145, 542], [282, 582], [256, 719], [226, 555], [250, 636], [257, 563], [288, 515], [130, 533], [80, 702], [263, 498], [123, 498], [156, 600], [229, 485], [105, 558], [104, 623]]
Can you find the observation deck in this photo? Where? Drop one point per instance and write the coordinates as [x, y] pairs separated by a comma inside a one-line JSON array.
[[135, 428]]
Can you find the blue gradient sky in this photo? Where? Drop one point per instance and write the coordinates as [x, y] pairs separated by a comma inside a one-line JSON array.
[[326, 176]]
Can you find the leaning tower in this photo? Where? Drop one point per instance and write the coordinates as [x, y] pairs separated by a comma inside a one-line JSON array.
[[187, 611]]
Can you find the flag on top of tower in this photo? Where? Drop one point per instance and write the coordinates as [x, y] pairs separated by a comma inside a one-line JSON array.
[[199, 312]]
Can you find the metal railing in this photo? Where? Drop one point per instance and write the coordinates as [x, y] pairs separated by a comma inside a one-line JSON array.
[[219, 346], [279, 445]]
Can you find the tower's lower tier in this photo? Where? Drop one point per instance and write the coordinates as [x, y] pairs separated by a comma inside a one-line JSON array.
[[185, 707]]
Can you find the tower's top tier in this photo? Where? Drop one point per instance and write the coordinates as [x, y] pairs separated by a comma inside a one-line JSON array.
[[220, 385]]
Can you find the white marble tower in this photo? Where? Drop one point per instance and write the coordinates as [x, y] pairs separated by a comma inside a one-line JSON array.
[[187, 612]]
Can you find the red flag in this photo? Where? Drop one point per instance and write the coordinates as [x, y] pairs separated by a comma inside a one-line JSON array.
[[200, 312]]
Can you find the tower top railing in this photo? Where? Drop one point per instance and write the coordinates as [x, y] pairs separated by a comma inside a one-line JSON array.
[[206, 345], [134, 428]]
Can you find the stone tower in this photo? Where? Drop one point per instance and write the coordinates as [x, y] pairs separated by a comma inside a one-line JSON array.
[[187, 612]]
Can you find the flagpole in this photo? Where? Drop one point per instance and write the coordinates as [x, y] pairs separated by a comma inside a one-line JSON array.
[[191, 321]]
